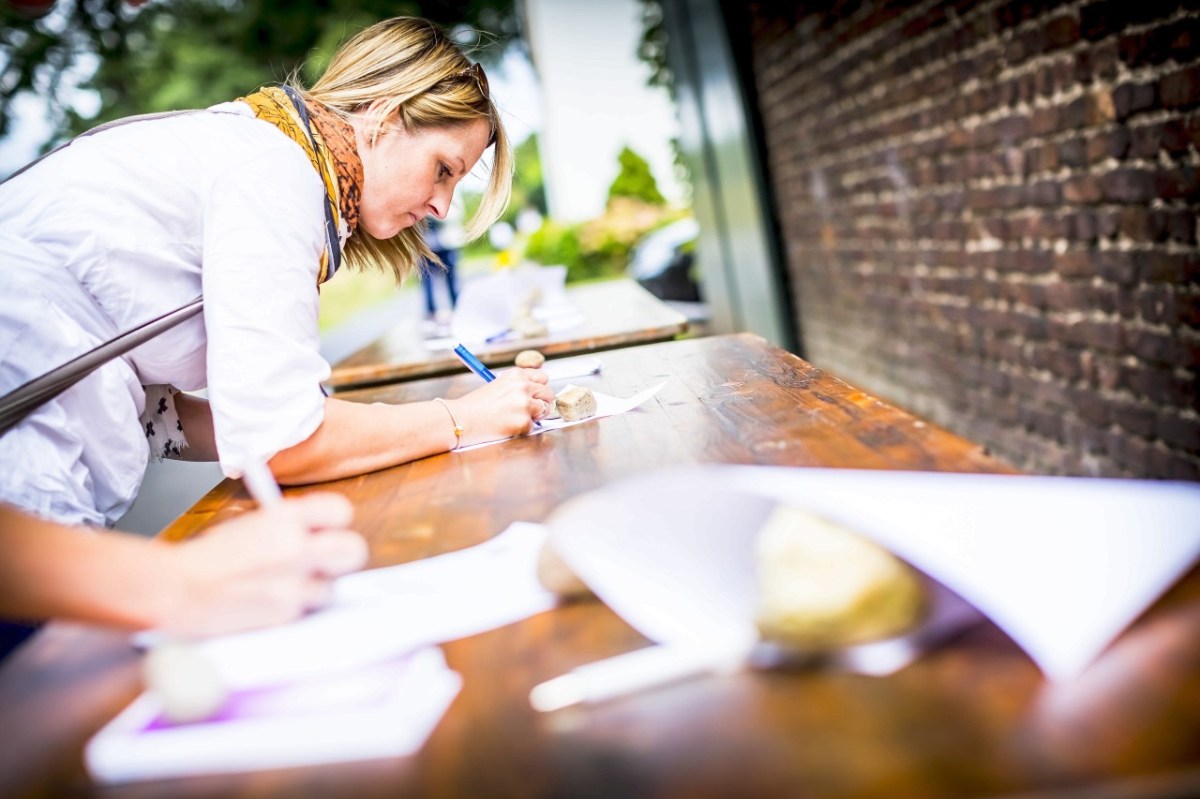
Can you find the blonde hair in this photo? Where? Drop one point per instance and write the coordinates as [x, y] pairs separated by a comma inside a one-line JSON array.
[[423, 80]]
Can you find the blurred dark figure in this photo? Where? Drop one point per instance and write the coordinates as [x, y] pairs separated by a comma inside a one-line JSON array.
[[438, 238]]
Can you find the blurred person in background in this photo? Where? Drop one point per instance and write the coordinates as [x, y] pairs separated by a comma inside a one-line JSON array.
[[442, 240]]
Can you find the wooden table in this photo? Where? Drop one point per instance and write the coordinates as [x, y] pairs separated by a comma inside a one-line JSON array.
[[972, 719], [617, 313]]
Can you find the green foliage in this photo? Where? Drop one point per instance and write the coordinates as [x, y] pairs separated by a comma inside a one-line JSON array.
[[529, 186], [598, 248], [652, 51], [528, 191], [635, 180], [652, 48], [172, 54], [555, 244]]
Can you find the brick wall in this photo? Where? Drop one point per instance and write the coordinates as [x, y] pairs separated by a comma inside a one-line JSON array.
[[989, 216]]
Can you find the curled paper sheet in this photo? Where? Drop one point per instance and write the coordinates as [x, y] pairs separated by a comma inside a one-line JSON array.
[[1061, 564]]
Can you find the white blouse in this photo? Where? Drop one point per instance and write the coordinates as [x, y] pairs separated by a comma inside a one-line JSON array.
[[123, 226]]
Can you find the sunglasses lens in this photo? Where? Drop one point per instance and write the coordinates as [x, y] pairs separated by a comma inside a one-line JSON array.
[[481, 76]]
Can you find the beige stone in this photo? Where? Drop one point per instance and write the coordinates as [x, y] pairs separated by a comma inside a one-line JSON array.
[[575, 403], [822, 586], [529, 359]]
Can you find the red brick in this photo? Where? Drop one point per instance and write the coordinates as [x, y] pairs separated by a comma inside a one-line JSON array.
[[1093, 408], [1103, 335], [1188, 308], [1107, 372], [1066, 363], [1108, 222], [1129, 185], [1073, 152], [1159, 304], [1133, 453], [1121, 267], [1047, 157], [1042, 422], [1142, 224], [1108, 144], [1160, 385], [1175, 138], [1075, 263], [1044, 193], [1101, 19], [1083, 189], [1180, 89], [1180, 183], [1160, 266], [1105, 62], [1140, 419], [1044, 120], [1130, 98], [1083, 226], [1192, 130], [1177, 430], [1146, 141], [1153, 347], [1182, 467]]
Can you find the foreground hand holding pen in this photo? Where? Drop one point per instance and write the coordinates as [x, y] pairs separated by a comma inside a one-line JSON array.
[[266, 567]]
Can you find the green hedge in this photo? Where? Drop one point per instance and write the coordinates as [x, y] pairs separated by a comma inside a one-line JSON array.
[[598, 248]]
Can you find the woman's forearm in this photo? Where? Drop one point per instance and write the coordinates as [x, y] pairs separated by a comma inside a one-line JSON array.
[[260, 568], [50, 571], [356, 438]]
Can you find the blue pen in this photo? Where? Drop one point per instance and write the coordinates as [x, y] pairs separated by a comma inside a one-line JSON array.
[[476, 366], [473, 363]]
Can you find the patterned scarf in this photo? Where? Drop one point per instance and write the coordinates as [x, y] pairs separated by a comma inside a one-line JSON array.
[[335, 157]]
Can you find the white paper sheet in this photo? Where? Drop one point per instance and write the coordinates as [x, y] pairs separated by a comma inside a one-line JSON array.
[[560, 369], [383, 613], [486, 305], [1061, 564], [606, 405], [384, 709]]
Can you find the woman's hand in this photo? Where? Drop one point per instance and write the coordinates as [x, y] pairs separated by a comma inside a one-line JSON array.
[[506, 407], [266, 567]]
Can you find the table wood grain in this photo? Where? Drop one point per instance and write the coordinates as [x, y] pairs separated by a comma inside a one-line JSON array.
[[617, 313], [971, 719]]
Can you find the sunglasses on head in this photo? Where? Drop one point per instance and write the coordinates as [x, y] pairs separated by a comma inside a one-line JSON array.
[[476, 72]]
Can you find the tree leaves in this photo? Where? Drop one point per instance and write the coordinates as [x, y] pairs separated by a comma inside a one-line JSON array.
[[171, 54]]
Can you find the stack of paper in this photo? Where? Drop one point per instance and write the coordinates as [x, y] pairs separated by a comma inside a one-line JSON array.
[[382, 710], [358, 680]]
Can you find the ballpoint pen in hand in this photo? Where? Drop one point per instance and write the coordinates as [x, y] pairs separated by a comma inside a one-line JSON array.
[[473, 363], [187, 684], [261, 484], [476, 366]]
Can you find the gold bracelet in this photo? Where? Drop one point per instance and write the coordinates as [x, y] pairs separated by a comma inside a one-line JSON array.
[[458, 428]]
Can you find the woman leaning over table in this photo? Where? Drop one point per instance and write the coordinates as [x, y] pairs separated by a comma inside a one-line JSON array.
[[236, 203]]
